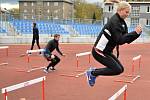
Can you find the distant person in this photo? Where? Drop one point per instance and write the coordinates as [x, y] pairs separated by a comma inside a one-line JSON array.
[[113, 34], [35, 36], [50, 47]]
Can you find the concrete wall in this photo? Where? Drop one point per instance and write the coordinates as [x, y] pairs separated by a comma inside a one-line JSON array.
[[64, 39]]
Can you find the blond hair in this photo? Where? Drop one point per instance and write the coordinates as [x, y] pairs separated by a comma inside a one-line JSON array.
[[123, 5]]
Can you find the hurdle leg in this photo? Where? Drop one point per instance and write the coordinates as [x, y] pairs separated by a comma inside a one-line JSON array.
[[5, 95], [125, 95], [43, 90], [118, 93]]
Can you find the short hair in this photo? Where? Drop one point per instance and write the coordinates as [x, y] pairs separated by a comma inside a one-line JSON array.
[[34, 24], [56, 35], [122, 5]]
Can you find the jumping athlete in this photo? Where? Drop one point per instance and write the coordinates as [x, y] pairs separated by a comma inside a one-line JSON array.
[[50, 47], [113, 34]]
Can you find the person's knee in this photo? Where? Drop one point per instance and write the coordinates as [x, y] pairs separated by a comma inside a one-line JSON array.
[[58, 59], [119, 71]]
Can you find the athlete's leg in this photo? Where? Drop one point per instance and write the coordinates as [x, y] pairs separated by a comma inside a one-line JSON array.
[[111, 63]]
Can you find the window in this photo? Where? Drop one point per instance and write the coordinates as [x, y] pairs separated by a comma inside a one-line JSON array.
[[135, 11], [55, 3], [48, 11], [56, 11], [148, 9], [32, 4], [32, 17], [25, 11], [110, 9], [47, 3], [56, 17], [32, 10], [25, 17], [134, 21], [25, 3], [48, 17], [148, 22]]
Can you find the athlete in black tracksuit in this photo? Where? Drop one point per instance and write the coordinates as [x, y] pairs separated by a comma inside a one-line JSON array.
[[35, 36], [50, 47], [114, 33]]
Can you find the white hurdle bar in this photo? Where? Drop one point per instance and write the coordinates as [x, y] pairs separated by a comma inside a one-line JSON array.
[[137, 57], [80, 74], [82, 54], [5, 47], [3, 64], [24, 84], [28, 59], [118, 93], [34, 51]]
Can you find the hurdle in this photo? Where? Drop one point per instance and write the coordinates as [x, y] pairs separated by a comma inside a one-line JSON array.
[[118, 93], [28, 59], [28, 53], [24, 84], [134, 75], [6, 48], [75, 75], [82, 54]]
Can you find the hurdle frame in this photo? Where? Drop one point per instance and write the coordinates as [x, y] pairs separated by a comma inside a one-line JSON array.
[[82, 72], [4, 47], [135, 77], [24, 84], [28, 60], [82, 54], [119, 92]]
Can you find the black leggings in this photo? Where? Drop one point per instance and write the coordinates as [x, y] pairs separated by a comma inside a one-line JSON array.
[[111, 63], [37, 42], [53, 62]]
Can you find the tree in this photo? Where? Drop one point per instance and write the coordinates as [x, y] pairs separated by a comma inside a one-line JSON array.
[[86, 10]]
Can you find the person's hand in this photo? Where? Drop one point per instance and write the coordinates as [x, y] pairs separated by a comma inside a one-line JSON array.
[[138, 29]]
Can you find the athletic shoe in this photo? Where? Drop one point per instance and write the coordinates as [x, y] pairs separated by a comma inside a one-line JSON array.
[[90, 78], [52, 68], [45, 70]]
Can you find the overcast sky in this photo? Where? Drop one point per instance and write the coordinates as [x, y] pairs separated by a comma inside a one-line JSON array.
[[16, 1]]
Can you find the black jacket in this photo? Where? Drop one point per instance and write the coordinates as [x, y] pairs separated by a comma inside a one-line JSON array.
[[52, 45], [35, 32], [114, 33]]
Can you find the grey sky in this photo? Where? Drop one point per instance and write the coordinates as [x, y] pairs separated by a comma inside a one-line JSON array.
[[16, 1]]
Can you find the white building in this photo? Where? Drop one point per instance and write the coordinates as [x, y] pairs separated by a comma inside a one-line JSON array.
[[140, 13]]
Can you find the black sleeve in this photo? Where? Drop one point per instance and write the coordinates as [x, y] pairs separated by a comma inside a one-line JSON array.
[[128, 38], [121, 38], [57, 48]]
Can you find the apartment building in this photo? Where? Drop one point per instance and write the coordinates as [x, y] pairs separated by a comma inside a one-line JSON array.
[[46, 9]]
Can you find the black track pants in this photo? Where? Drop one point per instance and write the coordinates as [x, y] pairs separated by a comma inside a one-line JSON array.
[[111, 63]]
